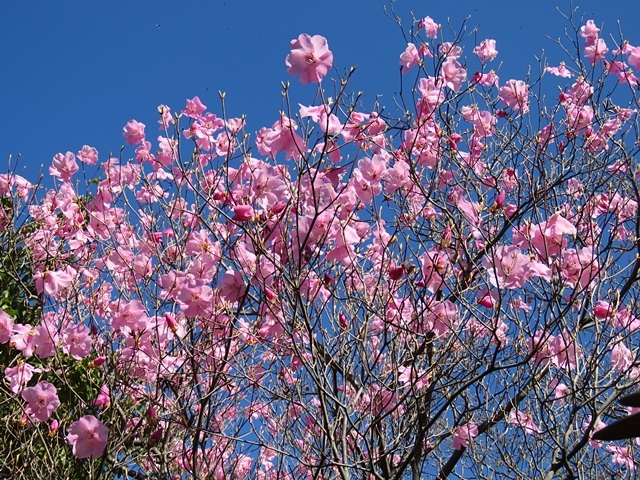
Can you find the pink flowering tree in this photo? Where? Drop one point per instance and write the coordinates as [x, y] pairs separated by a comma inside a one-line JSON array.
[[450, 290]]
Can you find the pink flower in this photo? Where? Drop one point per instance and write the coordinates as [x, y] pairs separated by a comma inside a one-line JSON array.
[[589, 31], [560, 71], [596, 51], [510, 268], [194, 108], [430, 27], [464, 435], [621, 357], [486, 50], [321, 114], [566, 351], [23, 339], [435, 268], [515, 95], [88, 436], [453, 74], [409, 57], [131, 315], [602, 309], [310, 58], [88, 155], [103, 400], [53, 282], [546, 238], [6, 326], [415, 378], [19, 376], [133, 132], [622, 456], [580, 268], [486, 79], [42, 400], [243, 213], [634, 56], [232, 286], [524, 421], [560, 390], [599, 425], [76, 341], [53, 428], [64, 166]]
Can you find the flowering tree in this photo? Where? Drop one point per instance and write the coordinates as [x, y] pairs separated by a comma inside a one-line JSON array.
[[448, 291]]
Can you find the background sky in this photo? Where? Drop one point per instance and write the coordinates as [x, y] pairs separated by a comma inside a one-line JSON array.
[[74, 72]]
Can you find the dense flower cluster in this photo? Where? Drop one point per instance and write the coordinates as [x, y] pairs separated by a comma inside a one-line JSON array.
[[352, 294]]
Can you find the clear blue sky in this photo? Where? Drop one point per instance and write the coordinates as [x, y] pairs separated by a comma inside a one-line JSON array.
[[74, 72]]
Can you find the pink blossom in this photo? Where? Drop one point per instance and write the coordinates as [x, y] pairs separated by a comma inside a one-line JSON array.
[[596, 52], [486, 79], [435, 268], [579, 119], [486, 50], [322, 115], [515, 95], [6, 327], [53, 428], [560, 71], [579, 92], [580, 268], [19, 375], [45, 336], [281, 137], [195, 301], [450, 50], [382, 400], [453, 74], [539, 347], [624, 319], [243, 213], [523, 420], [76, 341], [242, 466], [133, 132], [430, 27], [599, 425], [589, 31], [88, 436], [621, 357], [42, 400], [464, 435], [22, 339], [409, 57], [565, 351], [634, 56], [546, 238], [560, 390], [103, 400], [232, 286], [52, 282], [310, 58], [194, 108], [88, 155], [622, 456], [64, 166], [509, 268], [131, 315], [602, 309], [441, 318], [409, 376], [483, 122]]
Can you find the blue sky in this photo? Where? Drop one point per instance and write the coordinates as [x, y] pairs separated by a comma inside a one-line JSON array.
[[75, 72]]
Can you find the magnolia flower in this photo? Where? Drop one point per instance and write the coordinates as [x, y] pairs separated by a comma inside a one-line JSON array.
[[88, 436]]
